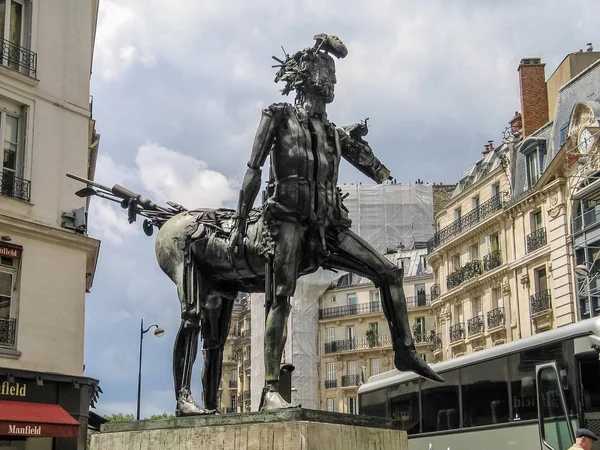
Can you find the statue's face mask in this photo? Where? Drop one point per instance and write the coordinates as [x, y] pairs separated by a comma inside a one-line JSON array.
[[320, 77]]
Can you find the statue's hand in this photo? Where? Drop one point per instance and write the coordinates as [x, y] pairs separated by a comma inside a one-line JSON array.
[[236, 240]]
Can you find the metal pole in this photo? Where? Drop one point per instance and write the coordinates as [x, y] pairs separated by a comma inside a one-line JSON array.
[[139, 390]]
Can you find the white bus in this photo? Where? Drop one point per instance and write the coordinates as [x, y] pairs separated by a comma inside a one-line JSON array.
[[528, 394]]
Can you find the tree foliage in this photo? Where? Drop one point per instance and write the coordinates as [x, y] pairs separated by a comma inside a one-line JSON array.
[[119, 417]]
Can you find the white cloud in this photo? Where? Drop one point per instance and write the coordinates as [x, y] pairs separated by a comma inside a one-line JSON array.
[[161, 174]]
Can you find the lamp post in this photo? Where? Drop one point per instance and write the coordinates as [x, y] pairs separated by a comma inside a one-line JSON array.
[[158, 332]]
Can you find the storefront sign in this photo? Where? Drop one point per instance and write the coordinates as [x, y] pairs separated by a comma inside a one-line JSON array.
[[13, 389], [10, 252], [27, 430]]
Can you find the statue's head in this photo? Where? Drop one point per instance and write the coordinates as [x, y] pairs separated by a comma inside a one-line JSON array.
[[311, 71]]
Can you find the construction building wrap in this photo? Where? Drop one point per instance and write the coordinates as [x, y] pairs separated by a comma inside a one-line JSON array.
[[387, 216]]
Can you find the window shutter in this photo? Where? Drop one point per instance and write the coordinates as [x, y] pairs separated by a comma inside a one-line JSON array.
[[22, 148]]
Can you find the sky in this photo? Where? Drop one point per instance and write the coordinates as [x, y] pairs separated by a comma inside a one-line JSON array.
[[178, 91]]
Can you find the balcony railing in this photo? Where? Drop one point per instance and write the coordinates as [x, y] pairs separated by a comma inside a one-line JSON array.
[[475, 325], [466, 222], [350, 380], [457, 332], [350, 310], [18, 58], [436, 341], [466, 272], [496, 317], [492, 260], [246, 395], [435, 292], [330, 384], [540, 302], [8, 328], [418, 301], [536, 240], [357, 343], [420, 338], [233, 384], [246, 333], [15, 187]]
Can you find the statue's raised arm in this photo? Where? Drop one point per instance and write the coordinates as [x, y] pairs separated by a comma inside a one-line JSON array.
[[357, 152]]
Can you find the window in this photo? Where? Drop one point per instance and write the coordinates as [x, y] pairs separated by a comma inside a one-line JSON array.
[[352, 302], [541, 281], [373, 328], [233, 403], [563, 134], [458, 314], [492, 243], [536, 221], [374, 296], [477, 307], [473, 252], [333, 299], [495, 189], [331, 404], [455, 262], [420, 294], [12, 135], [15, 27], [440, 403], [535, 164], [352, 409], [497, 300], [9, 265], [485, 393], [329, 335], [374, 366], [330, 371], [475, 202], [351, 368], [350, 337], [405, 408], [457, 214]]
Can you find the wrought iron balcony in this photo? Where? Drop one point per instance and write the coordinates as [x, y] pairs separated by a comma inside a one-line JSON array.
[[496, 317], [466, 222], [8, 329], [18, 58], [233, 384], [357, 344], [350, 380], [330, 384], [492, 260], [15, 187], [418, 301], [457, 332], [540, 302], [246, 333], [536, 240], [475, 325], [435, 340], [435, 292], [247, 395], [350, 310], [466, 272]]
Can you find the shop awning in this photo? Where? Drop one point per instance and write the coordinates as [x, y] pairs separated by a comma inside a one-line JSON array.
[[36, 420]]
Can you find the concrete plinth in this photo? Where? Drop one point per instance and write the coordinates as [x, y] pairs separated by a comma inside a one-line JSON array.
[[292, 429]]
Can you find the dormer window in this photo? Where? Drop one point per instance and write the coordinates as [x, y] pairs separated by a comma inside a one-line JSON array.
[[534, 155]]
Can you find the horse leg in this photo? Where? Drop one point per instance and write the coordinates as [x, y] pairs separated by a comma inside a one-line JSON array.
[[215, 329], [351, 252]]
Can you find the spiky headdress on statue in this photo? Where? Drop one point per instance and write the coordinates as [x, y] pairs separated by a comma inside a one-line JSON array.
[[294, 70]]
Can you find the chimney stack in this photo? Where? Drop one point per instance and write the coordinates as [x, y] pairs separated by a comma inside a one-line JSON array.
[[534, 94]]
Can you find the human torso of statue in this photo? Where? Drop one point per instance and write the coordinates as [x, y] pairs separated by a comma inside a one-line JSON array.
[[305, 160]]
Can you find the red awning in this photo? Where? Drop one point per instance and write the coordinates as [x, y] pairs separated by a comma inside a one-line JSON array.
[[36, 420]]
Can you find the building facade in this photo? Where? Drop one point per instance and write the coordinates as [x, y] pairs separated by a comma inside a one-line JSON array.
[[354, 340], [47, 260], [501, 254]]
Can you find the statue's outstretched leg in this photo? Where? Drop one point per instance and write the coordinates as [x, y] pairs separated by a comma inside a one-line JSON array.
[[286, 260], [215, 328], [352, 253]]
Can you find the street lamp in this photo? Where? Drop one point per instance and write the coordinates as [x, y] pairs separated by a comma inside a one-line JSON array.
[[158, 332]]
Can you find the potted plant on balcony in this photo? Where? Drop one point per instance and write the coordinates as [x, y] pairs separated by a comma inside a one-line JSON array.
[[371, 337]]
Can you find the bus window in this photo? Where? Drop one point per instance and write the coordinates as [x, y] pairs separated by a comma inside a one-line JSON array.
[[373, 403], [556, 432], [589, 370], [485, 393], [405, 407], [440, 403]]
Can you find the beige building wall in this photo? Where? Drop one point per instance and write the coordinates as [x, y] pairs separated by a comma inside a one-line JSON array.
[[354, 337], [50, 109]]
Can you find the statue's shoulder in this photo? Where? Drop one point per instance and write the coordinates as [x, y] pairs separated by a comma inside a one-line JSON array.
[[280, 109]]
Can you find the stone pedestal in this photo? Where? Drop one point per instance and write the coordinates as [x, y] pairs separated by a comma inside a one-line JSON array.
[[292, 429]]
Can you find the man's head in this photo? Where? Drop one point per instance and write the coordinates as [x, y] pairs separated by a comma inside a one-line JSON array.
[[585, 438], [311, 71]]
